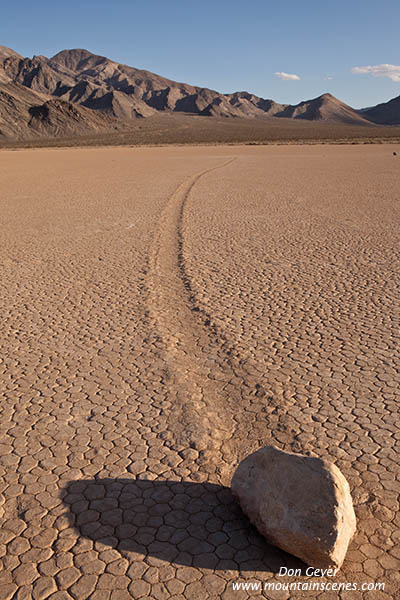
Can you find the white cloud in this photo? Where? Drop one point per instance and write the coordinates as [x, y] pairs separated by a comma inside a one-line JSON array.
[[390, 71], [329, 78], [287, 76]]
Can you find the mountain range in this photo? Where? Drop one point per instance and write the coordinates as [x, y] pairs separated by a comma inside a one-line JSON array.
[[76, 92]]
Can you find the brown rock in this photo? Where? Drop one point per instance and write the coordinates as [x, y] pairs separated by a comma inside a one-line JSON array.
[[301, 504]]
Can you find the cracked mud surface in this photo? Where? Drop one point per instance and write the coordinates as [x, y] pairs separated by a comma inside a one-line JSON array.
[[167, 311]]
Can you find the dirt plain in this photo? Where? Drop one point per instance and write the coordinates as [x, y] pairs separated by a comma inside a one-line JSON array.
[[185, 129], [165, 312]]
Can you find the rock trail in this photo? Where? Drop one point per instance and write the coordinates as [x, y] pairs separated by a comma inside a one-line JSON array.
[[199, 416], [211, 382]]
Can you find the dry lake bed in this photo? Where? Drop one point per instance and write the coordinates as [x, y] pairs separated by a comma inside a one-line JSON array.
[[165, 311]]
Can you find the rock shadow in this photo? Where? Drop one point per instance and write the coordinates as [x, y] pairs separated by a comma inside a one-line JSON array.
[[187, 523]]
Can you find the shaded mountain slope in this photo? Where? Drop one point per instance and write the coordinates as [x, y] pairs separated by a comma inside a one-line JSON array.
[[386, 113], [25, 113], [15, 103]]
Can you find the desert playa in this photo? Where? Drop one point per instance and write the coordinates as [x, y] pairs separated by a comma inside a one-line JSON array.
[[165, 312]]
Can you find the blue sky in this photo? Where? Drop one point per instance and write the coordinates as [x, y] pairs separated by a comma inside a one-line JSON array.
[[227, 45]]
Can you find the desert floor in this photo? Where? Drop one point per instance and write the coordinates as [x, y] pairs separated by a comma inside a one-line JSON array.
[[165, 311]]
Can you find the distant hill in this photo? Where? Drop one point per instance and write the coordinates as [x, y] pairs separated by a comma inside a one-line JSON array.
[[323, 108], [77, 92]]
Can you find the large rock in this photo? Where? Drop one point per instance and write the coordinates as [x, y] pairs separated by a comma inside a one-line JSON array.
[[299, 503]]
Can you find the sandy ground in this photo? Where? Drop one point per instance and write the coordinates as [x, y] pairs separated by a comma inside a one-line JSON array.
[[166, 311]]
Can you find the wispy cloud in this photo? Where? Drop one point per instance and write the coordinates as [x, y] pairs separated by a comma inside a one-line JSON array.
[[390, 71], [287, 76]]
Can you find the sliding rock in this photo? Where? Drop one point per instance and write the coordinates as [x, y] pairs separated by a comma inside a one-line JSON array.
[[301, 504]]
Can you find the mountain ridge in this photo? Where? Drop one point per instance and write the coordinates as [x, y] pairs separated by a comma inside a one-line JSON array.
[[115, 93]]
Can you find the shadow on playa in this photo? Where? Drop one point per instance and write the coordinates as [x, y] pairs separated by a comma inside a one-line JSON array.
[[194, 524]]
